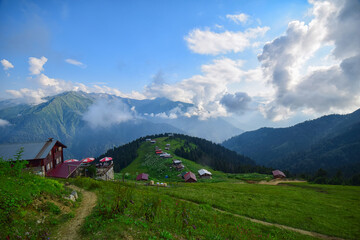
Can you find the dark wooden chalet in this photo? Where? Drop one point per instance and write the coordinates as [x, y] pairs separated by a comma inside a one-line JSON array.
[[190, 177], [45, 158]]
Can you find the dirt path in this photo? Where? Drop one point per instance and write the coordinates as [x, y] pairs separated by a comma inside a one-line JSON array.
[[70, 230], [277, 181], [301, 231]]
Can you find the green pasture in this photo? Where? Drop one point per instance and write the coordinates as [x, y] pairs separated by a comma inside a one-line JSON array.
[[126, 211], [326, 209]]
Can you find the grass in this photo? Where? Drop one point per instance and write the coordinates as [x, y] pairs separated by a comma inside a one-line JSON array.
[[158, 168], [31, 207], [250, 177], [126, 211], [330, 210]]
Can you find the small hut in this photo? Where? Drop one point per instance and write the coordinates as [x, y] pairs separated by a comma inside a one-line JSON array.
[[278, 174], [142, 177], [190, 177], [203, 173], [179, 167]]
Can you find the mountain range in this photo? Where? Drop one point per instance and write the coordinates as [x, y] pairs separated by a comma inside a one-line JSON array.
[[90, 123], [330, 142]]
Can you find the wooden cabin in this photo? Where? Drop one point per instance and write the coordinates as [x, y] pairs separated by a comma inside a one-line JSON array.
[[142, 177], [203, 173], [190, 177], [44, 158], [278, 174]]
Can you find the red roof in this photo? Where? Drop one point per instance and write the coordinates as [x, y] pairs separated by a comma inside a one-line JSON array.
[[278, 174], [142, 176], [63, 170], [190, 177]]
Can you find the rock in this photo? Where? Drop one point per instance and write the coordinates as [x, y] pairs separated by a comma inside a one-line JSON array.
[[74, 193], [72, 198]]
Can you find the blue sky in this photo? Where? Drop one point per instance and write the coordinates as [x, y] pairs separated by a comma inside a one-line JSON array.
[[147, 49]]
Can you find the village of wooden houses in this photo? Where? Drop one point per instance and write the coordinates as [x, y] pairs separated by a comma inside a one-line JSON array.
[[47, 159]]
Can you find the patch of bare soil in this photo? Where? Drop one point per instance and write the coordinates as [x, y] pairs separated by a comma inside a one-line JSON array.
[[70, 230]]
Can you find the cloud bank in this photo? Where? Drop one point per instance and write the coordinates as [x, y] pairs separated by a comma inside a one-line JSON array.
[[208, 42], [105, 113], [322, 89]]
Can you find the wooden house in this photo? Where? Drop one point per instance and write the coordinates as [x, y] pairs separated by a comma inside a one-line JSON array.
[[142, 177], [190, 177], [165, 155], [278, 174], [203, 173], [44, 158]]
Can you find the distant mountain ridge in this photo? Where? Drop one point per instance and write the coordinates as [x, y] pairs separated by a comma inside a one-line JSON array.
[[62, 117], [330, 142]]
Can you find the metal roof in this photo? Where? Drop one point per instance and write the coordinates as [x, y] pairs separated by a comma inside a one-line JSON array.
[[278, 173], [204, 171], [37, 150], [142, 176], [190, 175]]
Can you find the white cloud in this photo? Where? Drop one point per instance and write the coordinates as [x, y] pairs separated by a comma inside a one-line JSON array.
[[4, 123], [208, 42], [29, 96], [325, 89], [36, 65], [204, 91], [6, 64], [107, 113], [75, 62], [239, 18]]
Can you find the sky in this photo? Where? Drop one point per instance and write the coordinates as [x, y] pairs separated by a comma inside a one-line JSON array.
[[255, 63]]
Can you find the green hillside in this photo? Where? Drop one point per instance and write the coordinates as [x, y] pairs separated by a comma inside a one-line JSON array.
[[157, 168], [195, 153], [31, 206], [330, 142]]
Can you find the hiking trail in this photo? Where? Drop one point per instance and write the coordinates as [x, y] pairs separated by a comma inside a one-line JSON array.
[[70, 230]]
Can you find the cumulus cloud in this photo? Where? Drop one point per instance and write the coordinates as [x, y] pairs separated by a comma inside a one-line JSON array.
[[47, 86], [208, 42], [6, 64], [239, 18], [4, 123], [173, 113], [36, 65], [237, 102], [205, 91], [75, 62], [105, 113], [324, 89]]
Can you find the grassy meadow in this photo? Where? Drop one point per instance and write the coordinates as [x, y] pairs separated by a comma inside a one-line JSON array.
[[326, 209], [129, 211]]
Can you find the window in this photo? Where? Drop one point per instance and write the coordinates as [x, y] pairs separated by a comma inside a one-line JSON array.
[[59, 148]]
